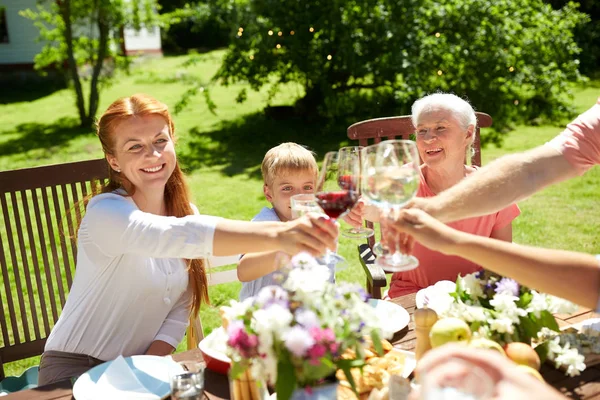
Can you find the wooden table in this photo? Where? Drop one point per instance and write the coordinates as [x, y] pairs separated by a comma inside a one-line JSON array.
[[584, 386]]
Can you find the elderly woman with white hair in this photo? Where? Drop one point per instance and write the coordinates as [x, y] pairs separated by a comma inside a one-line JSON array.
[[445, 129]]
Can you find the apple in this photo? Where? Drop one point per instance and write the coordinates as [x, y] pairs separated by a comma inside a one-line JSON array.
[[523, 354], [449, 330], [484, 343]]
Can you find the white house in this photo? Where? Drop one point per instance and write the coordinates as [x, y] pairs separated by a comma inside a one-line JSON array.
[[19, 44]]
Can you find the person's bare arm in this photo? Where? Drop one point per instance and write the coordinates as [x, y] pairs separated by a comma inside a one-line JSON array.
[[310, 233], [570, 275], [256, 265], [159, 348], [498, 184]]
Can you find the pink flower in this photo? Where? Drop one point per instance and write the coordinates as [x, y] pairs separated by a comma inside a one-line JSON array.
[[328, 335], [239, 339], [316, 352], [333, 347]]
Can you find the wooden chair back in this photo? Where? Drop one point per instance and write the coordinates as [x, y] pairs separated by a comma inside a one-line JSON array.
[[375, 130], [38, 250]]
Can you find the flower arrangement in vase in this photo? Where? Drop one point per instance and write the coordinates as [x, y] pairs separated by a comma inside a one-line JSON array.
[[292, 336]]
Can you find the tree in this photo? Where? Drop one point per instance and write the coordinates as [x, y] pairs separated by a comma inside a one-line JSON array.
[[512, 58], [85, 36]]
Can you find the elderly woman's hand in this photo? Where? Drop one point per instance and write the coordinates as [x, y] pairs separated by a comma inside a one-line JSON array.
[[423, 228], [312, 233], [508, 381]]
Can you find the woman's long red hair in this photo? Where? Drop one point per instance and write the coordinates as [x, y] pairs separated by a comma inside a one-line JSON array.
[[177, 195]]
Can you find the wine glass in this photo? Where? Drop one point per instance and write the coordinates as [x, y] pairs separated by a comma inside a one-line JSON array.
[[337, 190], [368, 161], [395, 183], [305, 203], [348, 157]]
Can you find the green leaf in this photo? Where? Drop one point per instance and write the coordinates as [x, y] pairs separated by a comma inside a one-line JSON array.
[[548, 320], [346, 365], [542, 351], [377, 342], [286, 377]]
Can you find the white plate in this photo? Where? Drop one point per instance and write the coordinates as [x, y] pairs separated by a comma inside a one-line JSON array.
[[442, 287], [151, 371], [394, 315]]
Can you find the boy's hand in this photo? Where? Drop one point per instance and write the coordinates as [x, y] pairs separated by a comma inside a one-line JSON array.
[[312, 233], [355, 216]]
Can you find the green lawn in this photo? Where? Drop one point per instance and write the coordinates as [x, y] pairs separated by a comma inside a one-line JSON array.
[[222, 154]]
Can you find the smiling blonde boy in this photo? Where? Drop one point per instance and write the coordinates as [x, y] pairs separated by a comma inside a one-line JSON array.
[[287, 170]]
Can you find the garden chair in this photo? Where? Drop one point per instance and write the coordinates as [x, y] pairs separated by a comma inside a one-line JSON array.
[[373, 131], [38, 222]]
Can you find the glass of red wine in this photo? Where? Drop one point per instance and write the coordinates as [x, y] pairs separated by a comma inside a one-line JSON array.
[[350, 156], [337, 190]]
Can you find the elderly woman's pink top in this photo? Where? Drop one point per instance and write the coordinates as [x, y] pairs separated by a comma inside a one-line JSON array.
[[435, 266]]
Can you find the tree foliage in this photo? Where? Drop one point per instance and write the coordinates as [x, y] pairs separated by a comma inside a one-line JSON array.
[[85, 37], [511, 58]]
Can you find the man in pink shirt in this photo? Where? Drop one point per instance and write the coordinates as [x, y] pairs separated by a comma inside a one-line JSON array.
[[574, 276]]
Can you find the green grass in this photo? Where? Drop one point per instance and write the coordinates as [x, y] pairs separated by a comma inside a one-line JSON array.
[[222, 154]]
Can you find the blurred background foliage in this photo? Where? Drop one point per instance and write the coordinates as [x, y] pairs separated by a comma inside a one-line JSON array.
[[365, 58]]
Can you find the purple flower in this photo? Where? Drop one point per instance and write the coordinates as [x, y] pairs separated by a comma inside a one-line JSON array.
[[507, 285], [298, 341], [272, 295]]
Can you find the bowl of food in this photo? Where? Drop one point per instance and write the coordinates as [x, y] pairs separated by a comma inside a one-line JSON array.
[[213, 348]]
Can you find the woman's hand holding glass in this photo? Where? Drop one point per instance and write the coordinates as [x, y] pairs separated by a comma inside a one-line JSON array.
[[312, 233], [303, 204]]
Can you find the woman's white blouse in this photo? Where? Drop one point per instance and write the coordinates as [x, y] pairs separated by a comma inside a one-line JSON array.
[[131, 284]]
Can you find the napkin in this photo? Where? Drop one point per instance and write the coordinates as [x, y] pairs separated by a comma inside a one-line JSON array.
[[119, 382]]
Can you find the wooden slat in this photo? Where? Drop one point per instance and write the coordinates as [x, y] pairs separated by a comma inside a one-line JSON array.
[[60, 267], [16, 272], [23, 350], [3, 321], [25, 260], [52, 264], [11, 307], [66, 239], [46, 264]]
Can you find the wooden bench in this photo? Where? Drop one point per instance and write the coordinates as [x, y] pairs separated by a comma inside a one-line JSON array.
[[38, 252]]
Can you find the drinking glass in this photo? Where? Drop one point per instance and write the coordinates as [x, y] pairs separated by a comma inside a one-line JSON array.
[[367, 183], [456, 379], [189, 383], [349, 156], [337, 190], [304, 203], [395, 181]]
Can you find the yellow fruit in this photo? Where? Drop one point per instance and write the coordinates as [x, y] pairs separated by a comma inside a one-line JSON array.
[[530, 371], [523, 354], [484, 343], [449, 330]]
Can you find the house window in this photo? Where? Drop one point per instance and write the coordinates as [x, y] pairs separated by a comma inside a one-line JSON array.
[[3, 27]]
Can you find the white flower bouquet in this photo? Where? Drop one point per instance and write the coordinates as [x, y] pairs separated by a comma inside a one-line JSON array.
[[500, 309], [293, 336]]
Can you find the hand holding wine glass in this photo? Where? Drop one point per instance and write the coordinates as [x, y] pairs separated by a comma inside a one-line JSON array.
[[394, 181]]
